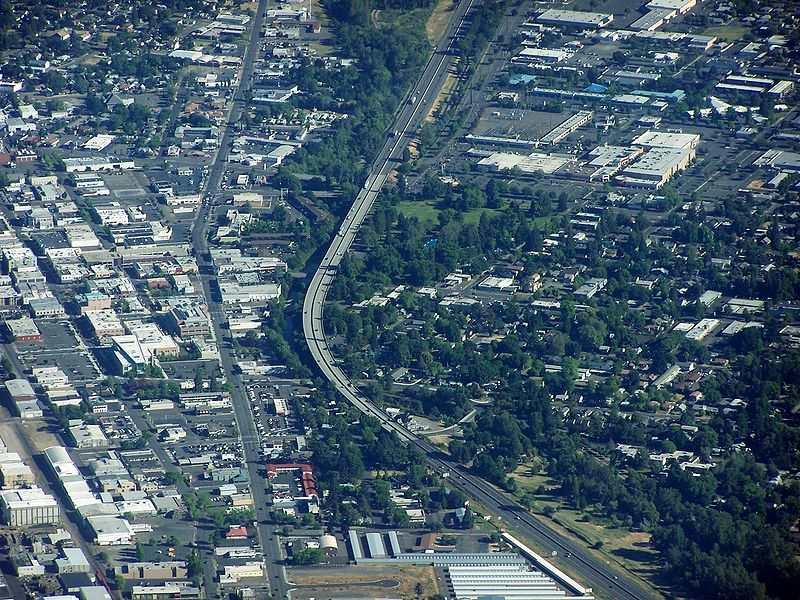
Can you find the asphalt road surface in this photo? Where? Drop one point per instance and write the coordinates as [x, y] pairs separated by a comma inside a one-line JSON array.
[[589, 569], [267, 535]]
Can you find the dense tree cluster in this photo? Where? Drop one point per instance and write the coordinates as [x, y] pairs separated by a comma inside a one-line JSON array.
[[387, 60], [725, 530], [700, 525]]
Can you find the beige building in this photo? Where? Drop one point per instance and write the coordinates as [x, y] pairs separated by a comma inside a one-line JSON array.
[[164, 570]]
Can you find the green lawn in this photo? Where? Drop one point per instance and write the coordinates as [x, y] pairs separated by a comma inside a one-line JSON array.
[[426, 211], [731, 33]]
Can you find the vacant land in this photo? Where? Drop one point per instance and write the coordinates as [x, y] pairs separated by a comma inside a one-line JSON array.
[[731, 33], [438, 20], [364, 581], [630, 549], [441, 98]]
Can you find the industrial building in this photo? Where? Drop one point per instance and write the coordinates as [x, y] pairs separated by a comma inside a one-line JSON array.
[[375, 545], [111, 530], [25, 564], [73, 560], [94, 592], [575, 18], [328, 545], [14, 473], [512, 582], [72, 482], [32, 506], [23, 399]]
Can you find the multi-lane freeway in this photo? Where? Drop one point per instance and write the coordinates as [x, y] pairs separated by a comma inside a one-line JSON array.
[[582, 563]]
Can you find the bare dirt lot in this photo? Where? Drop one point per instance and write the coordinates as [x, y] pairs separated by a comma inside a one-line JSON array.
[[438, 20], [363, 581]]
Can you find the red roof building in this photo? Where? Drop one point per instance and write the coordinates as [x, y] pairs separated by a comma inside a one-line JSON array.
[[302, 470], [236, 532]]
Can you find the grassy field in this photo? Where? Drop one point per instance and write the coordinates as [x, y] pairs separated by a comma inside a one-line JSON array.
[[731, 33], [631, 549], [427, 212], [406, 19]]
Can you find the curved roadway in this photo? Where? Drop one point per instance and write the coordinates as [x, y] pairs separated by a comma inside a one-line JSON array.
[[595, 572]]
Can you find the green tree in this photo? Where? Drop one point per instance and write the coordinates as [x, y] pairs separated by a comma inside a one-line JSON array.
[[308, 556]]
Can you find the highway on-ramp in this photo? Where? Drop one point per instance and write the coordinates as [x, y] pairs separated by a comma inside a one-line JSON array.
[[585, 565]]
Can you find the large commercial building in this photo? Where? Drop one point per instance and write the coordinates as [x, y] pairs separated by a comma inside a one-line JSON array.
[[32, 506], [142, 346], [655, 167], [234, 292], [165, 570], [653, 19], [673, 140], [572, 124], [189, 321], [168, 591], [575, 18], [679, 6], [88, 436], [531, 56], [104, 323], [527, 163]]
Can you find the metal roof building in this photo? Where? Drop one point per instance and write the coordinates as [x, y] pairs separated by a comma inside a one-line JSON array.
[[510, 582], [375, 545], [394, 543], [355, 545]]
